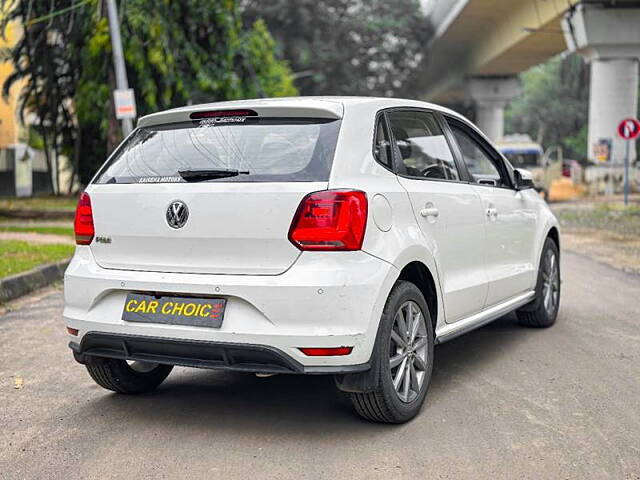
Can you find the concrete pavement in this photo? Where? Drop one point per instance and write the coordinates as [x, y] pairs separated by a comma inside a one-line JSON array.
[[505, 402]]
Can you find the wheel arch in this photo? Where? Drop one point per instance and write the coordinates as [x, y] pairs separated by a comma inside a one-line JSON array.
[[551, 232], [417, 271], [419, 274], [554, 235]]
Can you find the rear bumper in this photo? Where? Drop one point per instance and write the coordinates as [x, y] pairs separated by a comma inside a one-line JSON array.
[[326, 299], [192, 353]]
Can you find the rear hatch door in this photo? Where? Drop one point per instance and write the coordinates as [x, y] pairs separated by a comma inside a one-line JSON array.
[[210, 197]]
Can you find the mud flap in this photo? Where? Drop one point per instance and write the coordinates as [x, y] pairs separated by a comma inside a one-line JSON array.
[[361, 382]]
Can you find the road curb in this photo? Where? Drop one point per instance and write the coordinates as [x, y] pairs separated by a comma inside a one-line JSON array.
[[22, 283]]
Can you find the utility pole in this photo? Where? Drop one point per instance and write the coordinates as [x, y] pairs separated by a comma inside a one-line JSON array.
[[118, 58]]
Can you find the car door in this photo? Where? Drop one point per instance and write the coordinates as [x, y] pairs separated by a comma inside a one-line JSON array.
[[510, 216], [448, 210]]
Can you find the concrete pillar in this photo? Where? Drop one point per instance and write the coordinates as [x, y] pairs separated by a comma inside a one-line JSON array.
[[490, 96], [612, 97], [609, 38], [490, 118]]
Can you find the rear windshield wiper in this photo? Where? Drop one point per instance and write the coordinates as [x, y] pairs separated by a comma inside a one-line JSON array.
[[200, 175]]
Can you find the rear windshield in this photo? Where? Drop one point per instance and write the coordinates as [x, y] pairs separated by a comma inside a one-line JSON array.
[[260, 149]]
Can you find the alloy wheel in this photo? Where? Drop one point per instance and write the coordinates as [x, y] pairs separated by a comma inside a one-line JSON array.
[[408, 351], [141, 367], [550, 283]]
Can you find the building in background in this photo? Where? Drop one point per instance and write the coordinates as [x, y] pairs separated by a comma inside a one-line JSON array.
[[15, 166], [23, 170]]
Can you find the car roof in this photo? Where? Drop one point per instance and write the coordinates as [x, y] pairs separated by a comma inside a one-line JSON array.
[[319, 106]]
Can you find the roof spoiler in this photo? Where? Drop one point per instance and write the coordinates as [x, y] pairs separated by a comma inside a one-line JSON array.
[[267, 108]]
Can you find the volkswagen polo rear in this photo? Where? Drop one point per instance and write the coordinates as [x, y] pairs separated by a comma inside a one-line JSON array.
[[212, 238]]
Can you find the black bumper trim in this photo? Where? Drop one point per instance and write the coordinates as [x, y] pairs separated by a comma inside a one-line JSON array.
[[197, 353]]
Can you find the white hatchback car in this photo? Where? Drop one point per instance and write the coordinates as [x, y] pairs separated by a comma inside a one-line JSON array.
[[342, 236]]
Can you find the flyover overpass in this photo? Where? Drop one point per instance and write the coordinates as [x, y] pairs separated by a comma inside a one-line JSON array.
[[479, 47]]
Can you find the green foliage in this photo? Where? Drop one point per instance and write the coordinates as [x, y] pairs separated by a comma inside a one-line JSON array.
[[276, 80], [575, 145], [34, 139], [194, 48], [349, 47], [553, 105], [18, 256], [178, 52], [189, 51]]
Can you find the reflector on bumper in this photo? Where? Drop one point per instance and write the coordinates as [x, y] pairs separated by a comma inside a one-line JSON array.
[[326, 352]]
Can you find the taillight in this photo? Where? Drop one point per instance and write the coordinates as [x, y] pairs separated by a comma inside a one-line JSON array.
[[83, 223], [330, 220]]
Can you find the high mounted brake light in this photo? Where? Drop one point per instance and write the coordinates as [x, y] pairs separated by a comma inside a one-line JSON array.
[[330, 220], [223, 113], [83, 223]]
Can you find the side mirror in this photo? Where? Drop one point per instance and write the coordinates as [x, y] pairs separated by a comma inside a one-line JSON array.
[[524, 179]]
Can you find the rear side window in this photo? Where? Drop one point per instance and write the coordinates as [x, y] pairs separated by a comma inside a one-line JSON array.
[[260, 149], [421, 146], [382, 147]]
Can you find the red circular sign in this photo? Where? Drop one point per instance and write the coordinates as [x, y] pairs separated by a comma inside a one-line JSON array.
[[629, 128]]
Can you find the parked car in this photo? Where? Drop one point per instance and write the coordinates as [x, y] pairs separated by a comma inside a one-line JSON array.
[[320, 236]]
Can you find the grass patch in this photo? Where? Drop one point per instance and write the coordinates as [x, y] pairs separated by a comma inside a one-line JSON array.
[[17, 256], [54, 230], [620, 209], [39, 203], [607, 217]]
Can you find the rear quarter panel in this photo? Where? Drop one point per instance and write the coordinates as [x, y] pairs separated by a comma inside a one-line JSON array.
[[392, 234]]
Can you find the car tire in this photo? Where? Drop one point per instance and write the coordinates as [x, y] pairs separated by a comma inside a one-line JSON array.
[[543, 311], [122, 377], [392, 401]]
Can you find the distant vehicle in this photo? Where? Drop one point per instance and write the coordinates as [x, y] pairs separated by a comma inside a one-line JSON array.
[[554, 178], [523, 152], [343, 236]]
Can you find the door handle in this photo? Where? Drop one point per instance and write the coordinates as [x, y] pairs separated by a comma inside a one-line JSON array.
[[430, 212], [492, 212]]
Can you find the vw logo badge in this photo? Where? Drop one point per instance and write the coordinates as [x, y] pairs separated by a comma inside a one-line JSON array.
[[177, 214]]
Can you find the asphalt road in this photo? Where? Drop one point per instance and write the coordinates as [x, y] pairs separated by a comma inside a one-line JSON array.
[[505, 402]]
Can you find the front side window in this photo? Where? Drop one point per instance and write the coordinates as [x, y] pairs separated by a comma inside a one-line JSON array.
[[258, 150], [421, 146], [480, 165]]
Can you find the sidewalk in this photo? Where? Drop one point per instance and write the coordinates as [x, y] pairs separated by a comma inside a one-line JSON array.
[[37, 238]]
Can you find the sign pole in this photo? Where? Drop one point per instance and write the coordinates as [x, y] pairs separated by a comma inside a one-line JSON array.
[[626, 173], [628, 130]]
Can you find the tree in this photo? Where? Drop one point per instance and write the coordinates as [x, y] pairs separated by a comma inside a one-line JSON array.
[[553, 105], [46, 58], [347, 47], [175, 52], [190, 51]]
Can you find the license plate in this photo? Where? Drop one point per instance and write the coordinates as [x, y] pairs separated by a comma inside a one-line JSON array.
[[198, 312]]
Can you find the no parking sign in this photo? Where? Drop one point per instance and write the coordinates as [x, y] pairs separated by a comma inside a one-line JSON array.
[[628, 129]]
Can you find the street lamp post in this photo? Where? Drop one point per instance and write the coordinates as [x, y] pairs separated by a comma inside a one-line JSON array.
[[118, 58]]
